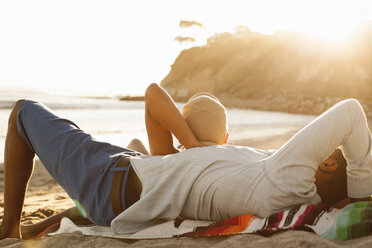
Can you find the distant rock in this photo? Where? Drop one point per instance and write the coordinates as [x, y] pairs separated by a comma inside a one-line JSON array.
[[280, 72], [132, 98]]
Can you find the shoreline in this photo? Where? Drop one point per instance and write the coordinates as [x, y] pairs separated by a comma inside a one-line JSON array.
[[287, 103]]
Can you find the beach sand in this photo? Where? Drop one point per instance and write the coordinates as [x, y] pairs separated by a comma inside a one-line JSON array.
[[45, 197]]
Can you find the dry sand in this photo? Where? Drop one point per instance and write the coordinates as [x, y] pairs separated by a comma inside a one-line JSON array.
[[45, 197]]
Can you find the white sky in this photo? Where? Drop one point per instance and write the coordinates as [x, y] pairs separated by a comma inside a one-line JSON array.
[[119, 47]]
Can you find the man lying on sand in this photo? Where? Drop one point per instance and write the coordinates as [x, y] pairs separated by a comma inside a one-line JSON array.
[[130, 191]]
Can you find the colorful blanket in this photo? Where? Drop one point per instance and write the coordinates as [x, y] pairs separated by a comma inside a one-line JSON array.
[[353, 221]]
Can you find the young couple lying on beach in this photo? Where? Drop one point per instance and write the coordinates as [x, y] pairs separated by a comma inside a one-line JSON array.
[[208, 180]]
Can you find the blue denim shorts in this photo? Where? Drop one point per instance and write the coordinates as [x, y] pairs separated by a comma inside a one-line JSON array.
[[83, 166]]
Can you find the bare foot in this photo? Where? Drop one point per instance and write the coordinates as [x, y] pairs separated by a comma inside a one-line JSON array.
[[9, 232]]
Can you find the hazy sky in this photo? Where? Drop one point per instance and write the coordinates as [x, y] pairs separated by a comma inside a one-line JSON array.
[[119, 47]]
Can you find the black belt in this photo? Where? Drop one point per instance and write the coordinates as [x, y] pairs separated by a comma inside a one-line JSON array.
[[133, 187]]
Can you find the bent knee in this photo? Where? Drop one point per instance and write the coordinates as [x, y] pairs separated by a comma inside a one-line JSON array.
[[352, 102], [14, 113], [352, 105], [355, 105], [18, 103]]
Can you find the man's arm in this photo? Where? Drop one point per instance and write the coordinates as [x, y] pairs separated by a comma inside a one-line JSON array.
[[163, 119], [331, 182]]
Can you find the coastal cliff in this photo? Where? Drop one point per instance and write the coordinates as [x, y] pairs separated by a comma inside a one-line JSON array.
[[281, 72]]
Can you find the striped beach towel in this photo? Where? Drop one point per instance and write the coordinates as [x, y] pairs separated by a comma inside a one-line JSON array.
[[353, 221]]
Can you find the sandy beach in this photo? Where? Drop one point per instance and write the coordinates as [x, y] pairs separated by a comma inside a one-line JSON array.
[[274, 65], [45, 197]]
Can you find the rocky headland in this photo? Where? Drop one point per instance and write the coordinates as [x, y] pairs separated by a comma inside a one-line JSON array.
[[285, 71]]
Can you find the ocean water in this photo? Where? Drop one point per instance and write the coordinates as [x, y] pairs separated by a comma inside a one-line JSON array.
[[118, 122]]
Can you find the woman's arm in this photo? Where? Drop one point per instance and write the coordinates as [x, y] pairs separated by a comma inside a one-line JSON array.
[[163, 119]]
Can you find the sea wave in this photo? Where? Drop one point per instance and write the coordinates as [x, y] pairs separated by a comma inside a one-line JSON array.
[[65, 100], [81, 103], [6, 104]]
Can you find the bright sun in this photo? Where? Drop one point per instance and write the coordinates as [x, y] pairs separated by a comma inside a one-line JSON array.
[[335, 21]]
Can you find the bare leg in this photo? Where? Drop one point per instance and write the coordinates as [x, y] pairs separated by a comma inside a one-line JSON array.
[[31, 231], [137, 145], [18, 167]]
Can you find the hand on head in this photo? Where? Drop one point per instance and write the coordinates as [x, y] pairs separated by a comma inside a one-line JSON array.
[[330, 178]]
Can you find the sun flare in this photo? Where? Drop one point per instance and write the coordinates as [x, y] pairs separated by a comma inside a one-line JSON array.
[[333, 23], [105, 46], [336, 21]]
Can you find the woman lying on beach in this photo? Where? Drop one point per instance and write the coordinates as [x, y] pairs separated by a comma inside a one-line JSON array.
[[130, 191]]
